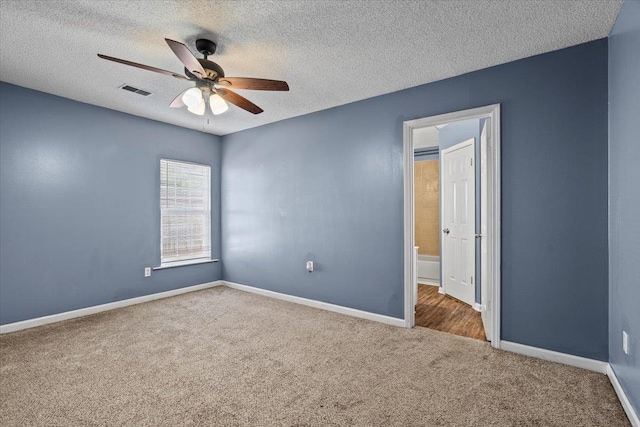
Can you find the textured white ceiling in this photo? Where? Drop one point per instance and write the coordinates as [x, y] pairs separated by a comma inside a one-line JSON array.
[[330, 52]]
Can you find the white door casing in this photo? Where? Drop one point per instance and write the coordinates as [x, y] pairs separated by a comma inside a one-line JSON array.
[[491, 222], [458, 220], [415, 276], [485, 295]]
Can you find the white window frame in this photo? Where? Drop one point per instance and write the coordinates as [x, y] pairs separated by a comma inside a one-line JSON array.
[[166, 262]]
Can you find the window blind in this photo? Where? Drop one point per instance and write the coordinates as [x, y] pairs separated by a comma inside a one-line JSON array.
[[185, 211]]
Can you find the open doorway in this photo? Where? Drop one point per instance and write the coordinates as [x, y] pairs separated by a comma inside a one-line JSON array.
[[452, 217], [445, 221]]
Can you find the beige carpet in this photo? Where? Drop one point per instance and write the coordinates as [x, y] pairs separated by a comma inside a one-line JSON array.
[[225, 357]]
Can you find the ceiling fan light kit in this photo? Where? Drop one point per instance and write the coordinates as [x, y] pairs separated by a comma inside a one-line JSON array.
[[196, 96], [217, 104], [192, 97], [198, 109], [211, 85]]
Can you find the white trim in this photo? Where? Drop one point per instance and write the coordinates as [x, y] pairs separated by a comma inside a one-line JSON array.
[[183, 263], [45, 320], [318, 304], [477, 307], [486, 315], [493, 208], [409, 227], [554, 356], [414, 279], [441, 290], [624, 400], [494, 230], [428, 282], [580, 362]]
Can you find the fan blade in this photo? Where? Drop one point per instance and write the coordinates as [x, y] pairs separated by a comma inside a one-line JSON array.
[[177, 101], [144, 67], [239, 101], [254, 84], [186, 57]]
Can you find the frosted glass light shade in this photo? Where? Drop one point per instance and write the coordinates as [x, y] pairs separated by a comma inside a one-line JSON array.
[[192, 98], [217, 104], [199, 110]]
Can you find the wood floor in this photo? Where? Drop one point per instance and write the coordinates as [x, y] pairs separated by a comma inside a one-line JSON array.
[[447, 314]]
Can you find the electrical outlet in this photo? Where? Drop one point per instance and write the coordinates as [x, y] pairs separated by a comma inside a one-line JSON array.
[[147, 271], [625, 342], [310, 266]]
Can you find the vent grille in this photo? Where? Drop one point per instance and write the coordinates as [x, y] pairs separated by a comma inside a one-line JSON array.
[[135, 90]]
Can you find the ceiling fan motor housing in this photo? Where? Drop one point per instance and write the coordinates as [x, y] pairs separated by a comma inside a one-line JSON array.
[[213, 70]]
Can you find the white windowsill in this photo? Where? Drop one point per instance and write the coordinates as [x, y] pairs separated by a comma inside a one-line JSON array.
[[183, 263]]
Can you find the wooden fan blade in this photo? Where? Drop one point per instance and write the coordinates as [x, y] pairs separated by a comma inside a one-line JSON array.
[[186, 57], [177, 101], [144, 67], [239, 101], [254, 84]]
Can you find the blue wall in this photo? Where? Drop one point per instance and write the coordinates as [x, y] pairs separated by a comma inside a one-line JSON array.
[[79, 204], [624, 198], [449, 136], [328, 187], [79, 216]]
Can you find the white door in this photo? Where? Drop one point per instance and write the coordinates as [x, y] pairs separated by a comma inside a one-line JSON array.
[[458, 221], [485, 298]]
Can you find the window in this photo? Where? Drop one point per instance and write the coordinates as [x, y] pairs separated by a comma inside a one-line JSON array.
[[185, 212]]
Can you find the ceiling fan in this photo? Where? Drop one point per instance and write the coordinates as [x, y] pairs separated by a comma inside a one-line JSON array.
[[211, 85]]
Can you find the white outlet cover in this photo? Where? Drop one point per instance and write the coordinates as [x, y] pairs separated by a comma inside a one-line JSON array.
[[147, 272], [625, 342]]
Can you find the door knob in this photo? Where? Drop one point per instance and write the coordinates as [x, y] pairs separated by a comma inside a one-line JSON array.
[[445, 231]]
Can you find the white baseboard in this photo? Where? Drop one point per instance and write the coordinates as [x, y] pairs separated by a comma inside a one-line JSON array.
[[441, 290], [319, 304], [429, 282], [580, 362], [624, 400], [59, 317], [39, 321], [540, 353], [477, 307], [554, 356]]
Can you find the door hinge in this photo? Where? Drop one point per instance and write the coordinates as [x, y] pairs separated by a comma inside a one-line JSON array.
[[471, 162], [472, 280], [478, 236]]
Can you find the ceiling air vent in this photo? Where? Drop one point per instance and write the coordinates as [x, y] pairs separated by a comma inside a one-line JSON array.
[[135, 90]]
